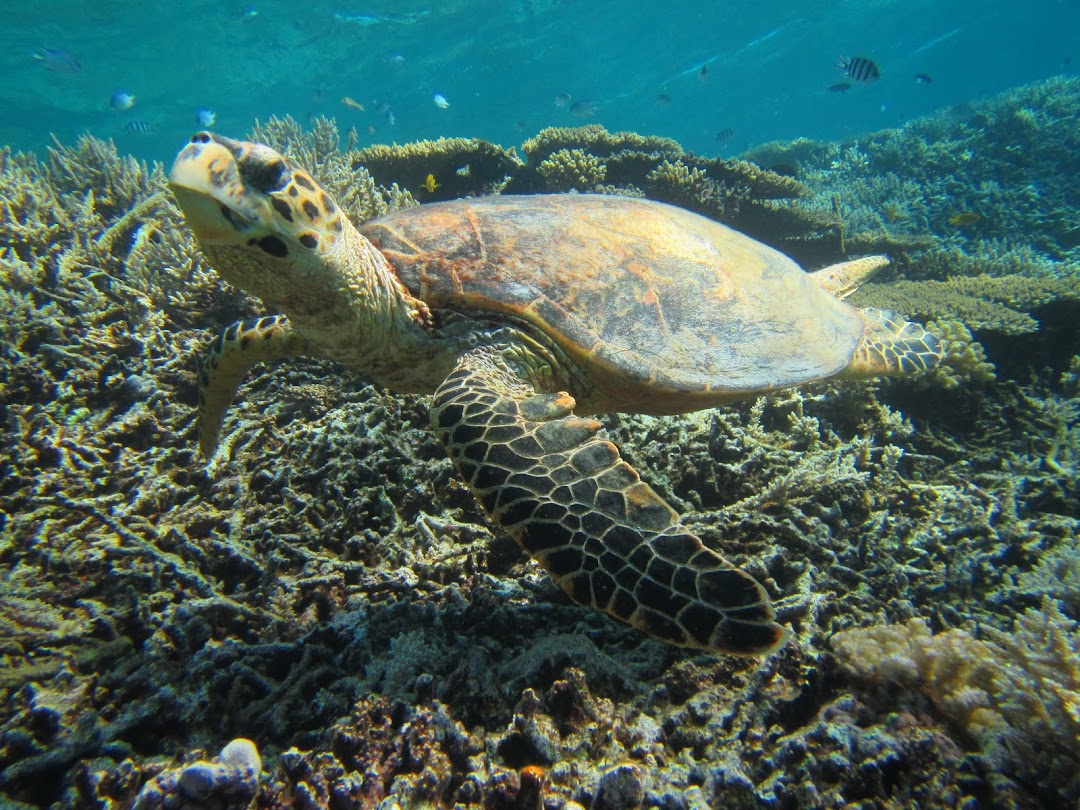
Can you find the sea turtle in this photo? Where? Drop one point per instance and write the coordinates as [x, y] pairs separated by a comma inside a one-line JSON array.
[[523, 314]]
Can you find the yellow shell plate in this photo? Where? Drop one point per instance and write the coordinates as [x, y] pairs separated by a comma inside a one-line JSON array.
[[654, 302]]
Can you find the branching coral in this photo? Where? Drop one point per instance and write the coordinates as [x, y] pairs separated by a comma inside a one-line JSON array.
[[999, 169], [1017, 694], [459, 166], [997, 303], [572, 169], [965, 360]]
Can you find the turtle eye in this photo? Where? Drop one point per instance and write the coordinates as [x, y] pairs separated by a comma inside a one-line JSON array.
[[268, 177]]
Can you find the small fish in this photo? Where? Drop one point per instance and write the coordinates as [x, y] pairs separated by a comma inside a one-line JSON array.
[[724, 135], [583, 108], [371, 129], [464, 171], [58, 61], [353, 104], [663, 100], [839, 87], [205, 117], [396, 59], [122, 101], [140, 127], [924, 78], [860, 68], [391, 119], [785, 169], [964, 219], [703, 74], [249, 11], [440, 101], [430, 183], [562, 100], [365, 20]]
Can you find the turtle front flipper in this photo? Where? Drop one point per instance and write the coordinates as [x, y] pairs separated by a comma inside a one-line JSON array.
[[569, 499], [232, 354]]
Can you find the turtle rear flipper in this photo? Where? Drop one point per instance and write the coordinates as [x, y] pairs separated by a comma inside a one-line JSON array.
[[891, 345], [236, 349], [578, 509]]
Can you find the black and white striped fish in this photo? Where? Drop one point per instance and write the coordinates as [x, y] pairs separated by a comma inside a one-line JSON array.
[[859, 69], [140, 127]]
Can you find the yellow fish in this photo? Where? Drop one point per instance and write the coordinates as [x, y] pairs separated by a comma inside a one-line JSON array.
[[964, 219], [430, 183], [352, 104]]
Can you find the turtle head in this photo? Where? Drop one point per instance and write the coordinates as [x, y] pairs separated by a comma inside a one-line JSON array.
[[263, 223]]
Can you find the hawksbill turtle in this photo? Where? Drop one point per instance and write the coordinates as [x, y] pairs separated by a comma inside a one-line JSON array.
[[524, 315]]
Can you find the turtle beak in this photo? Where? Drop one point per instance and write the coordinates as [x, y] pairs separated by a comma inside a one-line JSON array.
[[212, 194]]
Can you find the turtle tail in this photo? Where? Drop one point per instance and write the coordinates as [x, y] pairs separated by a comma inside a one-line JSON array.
[[236, 349], [565, 494]]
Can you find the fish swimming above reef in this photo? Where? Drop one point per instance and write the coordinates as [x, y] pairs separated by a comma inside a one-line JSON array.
[[965, 219], [353, 104], [121, 100], [583, 108], [563, 100], [430, 184], [839, 87], [724, 135], [923, 78], [363, 19], [205, 117], [139, 127], [440, 101], [859, 69], [57, 60]]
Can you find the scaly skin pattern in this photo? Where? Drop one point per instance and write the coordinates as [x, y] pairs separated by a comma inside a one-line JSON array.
[[507, 372], [227, 362], [609, 541]]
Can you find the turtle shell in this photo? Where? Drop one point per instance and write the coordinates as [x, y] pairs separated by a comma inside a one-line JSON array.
[[656, 304]]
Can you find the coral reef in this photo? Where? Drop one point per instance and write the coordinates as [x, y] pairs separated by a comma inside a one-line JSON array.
[[978, 158], [990, 303], [572, 169], [740, 194], [329, 590], [1016, 694], [460, 166], [231, 778]]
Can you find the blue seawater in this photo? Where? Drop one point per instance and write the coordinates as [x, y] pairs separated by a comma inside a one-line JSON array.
[[502, 64]]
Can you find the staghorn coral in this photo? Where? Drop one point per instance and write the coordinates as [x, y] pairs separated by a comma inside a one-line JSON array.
[[965, 362], [572, 169], [690, 187], [461, 166], [1009, 160], [986, 257], [628, 159], [596, 140], [996, 303], [1017, 694]]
